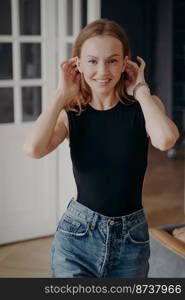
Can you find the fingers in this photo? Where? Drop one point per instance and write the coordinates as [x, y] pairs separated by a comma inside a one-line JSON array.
[[131, 71], [69, 65], [135, 65], [72, 59], [132, 64], [142, 62], [70, 68]]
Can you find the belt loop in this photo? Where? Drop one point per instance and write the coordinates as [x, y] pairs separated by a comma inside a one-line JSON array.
[[124, 223], [94, 219]]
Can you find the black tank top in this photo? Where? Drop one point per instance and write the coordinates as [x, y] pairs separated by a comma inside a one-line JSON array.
[[109, 150]]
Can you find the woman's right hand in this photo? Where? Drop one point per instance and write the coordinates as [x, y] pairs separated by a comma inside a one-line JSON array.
[[70, 77]]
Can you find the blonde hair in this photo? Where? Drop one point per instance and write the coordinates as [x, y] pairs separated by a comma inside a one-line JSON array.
[[97, 28]]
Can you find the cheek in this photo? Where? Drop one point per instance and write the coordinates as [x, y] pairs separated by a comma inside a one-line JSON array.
[[88, 73], [86, 68], [115, 69], [118, 69], [88, 76], [116, 73]]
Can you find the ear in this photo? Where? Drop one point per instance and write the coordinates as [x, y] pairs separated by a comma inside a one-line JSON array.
[[124, 63], [78, 64]]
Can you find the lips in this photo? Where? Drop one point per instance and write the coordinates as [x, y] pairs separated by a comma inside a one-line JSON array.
[[102, 81]]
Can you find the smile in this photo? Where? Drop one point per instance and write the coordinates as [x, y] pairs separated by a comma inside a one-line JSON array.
[[103, 82]]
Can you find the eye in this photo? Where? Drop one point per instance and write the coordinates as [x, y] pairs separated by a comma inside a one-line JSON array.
[[112, 60], [92, 61]]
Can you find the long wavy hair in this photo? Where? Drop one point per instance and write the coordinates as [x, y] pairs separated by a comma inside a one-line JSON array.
[[100, 27]]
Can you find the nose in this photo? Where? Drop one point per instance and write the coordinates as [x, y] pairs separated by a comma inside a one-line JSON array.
[[102, 69]]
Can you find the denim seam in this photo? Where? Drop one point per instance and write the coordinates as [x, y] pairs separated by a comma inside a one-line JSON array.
[[106, 251]]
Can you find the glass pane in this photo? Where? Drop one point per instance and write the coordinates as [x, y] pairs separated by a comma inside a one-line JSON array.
[[31, 103], [6, 105], [30, 60], [5, 17], [70, 17], [5, 61], [84, 13], [29, 11]]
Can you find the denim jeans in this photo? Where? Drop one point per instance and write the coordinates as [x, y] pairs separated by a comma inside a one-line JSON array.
[[89, 244]]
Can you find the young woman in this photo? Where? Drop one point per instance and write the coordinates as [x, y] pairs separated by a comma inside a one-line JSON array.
[[104, 107]]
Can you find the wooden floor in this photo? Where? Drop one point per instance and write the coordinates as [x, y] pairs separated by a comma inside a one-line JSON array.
[[163, 201]]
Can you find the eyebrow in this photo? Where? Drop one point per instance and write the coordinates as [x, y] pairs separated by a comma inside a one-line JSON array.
[[106, 57]]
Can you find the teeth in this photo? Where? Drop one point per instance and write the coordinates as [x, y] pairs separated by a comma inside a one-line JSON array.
[[102, 80]]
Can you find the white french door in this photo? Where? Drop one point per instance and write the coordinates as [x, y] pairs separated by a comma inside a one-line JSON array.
[[35, 35], [27, 79]]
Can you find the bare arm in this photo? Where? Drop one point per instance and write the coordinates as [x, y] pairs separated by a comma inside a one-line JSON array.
[[161, 129], [49, 129], [40, 135]]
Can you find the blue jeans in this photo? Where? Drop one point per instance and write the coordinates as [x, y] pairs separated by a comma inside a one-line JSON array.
[[89, 244]]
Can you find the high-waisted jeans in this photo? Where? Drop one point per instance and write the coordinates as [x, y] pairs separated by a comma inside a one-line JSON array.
[[89, 244]]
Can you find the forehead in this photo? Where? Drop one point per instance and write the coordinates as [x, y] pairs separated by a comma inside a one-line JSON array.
[[101, 46]]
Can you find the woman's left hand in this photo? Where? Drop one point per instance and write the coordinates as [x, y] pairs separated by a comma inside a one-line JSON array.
[[134, 74]]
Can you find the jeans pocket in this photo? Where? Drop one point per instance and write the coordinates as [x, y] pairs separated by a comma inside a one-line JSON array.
[[70, 226], [139, 234]]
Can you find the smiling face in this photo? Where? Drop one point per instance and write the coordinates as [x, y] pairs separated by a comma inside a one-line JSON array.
[[102, 63]]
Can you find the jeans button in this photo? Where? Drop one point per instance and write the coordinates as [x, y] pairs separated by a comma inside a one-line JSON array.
[[111, 222]]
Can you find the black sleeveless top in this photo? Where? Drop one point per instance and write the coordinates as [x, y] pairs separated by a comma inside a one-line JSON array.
[[109, 150]]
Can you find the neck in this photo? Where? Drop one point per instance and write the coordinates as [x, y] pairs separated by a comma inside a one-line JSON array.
[[102, 102]]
